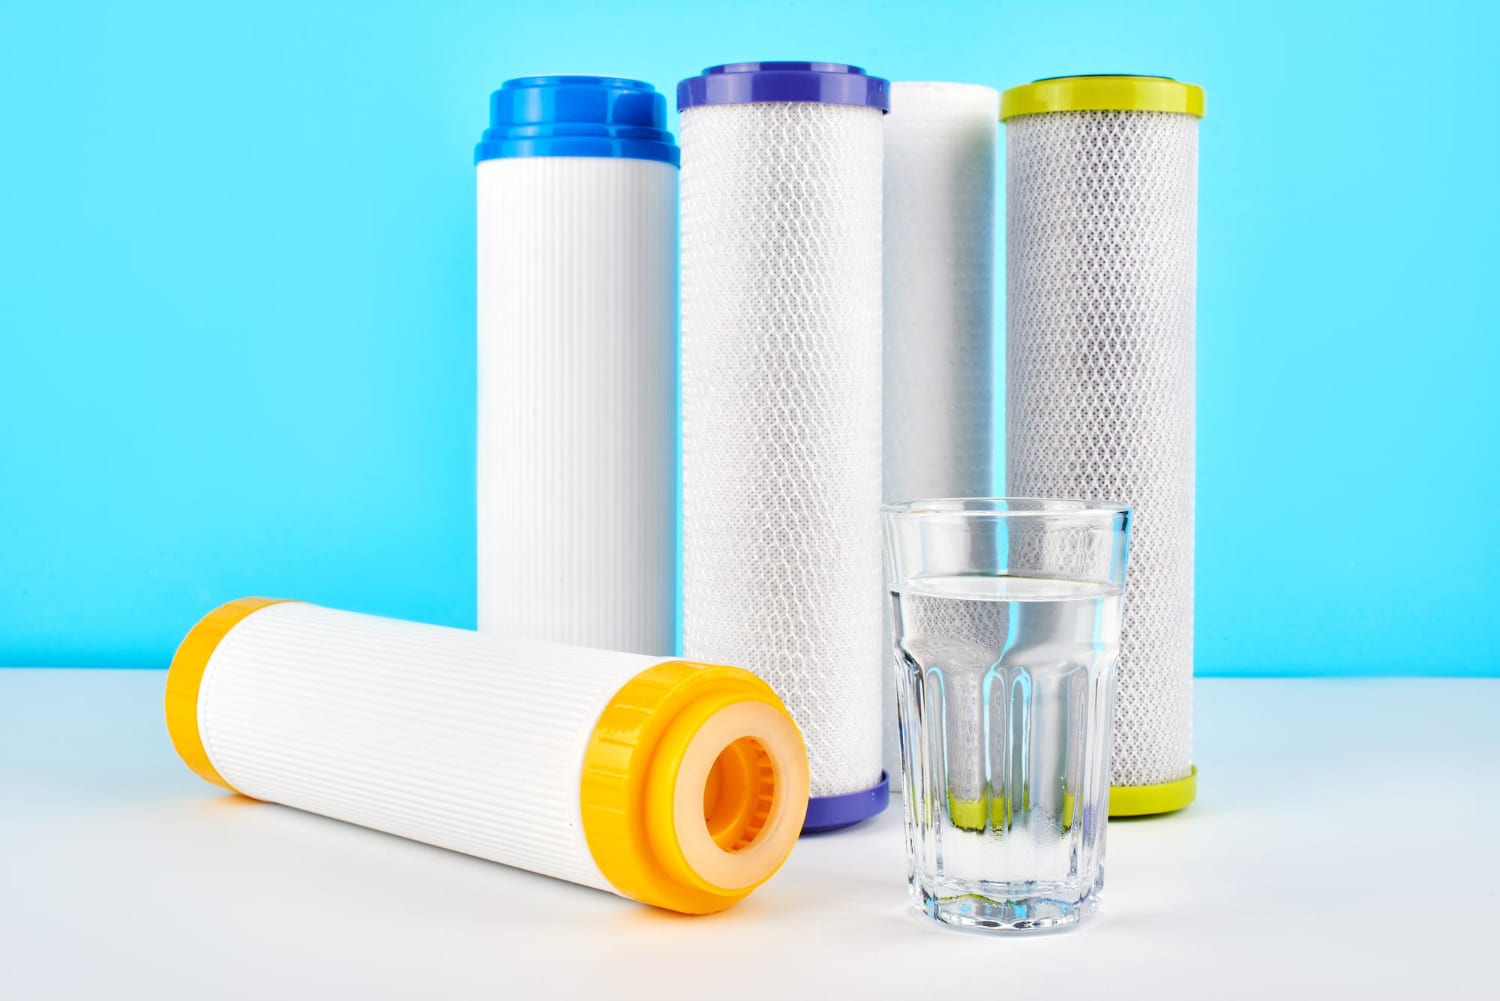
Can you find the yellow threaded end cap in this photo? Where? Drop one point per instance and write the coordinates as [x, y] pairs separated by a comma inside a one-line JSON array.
[[1102, 93], [694, 786], [185, 678]]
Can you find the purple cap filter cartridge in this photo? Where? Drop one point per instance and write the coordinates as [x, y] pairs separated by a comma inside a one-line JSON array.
[[781, 402]]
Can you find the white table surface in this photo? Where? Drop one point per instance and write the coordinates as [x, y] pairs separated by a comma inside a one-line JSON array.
[[1345, 844]]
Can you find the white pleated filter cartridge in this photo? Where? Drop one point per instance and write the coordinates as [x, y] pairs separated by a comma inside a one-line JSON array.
[[781, 387], [577, 302], [677, 784], [939, 305], [1101, 206]]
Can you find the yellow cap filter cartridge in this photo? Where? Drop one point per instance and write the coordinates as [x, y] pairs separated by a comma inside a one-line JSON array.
[[1101, 276], [678, 784]]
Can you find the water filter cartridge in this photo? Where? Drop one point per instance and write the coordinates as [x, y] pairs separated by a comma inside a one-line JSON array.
[[677, 784], [940, 145], [939, 289], [781, 381], [1101, 228], [577, 305]]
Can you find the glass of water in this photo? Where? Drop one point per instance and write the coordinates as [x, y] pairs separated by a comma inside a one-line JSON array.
[[1005, 616]]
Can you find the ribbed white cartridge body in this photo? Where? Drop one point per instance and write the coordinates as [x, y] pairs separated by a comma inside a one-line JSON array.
[[940, 152], [577, 400], [462, 740], [1101, 239], [781, 383]]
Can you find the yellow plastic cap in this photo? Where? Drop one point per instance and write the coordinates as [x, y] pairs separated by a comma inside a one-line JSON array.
[[1102, 93], [1146, 801], [185, 677], [694, 787]]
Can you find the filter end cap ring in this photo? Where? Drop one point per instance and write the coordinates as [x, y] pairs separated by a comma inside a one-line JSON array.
[[1148, 801], [1105, 92], [784, 82], [834, 813], [185, 679], [634, 804]]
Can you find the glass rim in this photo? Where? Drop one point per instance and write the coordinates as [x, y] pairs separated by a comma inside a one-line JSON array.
[[999, 507]]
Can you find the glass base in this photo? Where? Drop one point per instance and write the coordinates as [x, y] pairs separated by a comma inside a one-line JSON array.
[[1004, 907]]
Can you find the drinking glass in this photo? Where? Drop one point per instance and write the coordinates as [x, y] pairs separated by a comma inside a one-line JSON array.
[[1005, 618]]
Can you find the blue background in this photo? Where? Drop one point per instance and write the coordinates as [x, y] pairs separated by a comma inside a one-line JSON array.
[[237, 321]]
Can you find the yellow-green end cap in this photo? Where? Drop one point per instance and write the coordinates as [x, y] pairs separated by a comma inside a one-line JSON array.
[[1144, 801], [1102, 93], [185, 678]]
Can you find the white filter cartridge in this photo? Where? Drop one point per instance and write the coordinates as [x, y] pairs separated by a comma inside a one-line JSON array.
[[1101, 227], [781, 383], [676, 784], [577, 303], [939, 302]]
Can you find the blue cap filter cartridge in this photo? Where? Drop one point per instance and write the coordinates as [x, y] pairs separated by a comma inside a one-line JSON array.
[[781, 386], [577, 307], [680, 785], [939, 302], [1101, 237]]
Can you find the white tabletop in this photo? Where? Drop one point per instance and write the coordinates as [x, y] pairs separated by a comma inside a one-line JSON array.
[[1344, 841]]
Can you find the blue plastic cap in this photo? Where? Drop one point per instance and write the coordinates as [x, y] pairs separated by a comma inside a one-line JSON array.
[[577, 116], [758, 83]]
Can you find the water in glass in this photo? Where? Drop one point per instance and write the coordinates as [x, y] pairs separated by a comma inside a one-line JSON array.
[[1005, 694]]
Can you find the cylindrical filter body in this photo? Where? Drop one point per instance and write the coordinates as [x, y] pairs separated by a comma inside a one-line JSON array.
[[577, 302], [1101, 206], [939, 302], [681, 785], [781, 382]]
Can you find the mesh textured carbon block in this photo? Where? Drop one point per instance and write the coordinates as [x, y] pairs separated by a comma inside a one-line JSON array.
[[1101, 242], [939, 303], [781, 391]]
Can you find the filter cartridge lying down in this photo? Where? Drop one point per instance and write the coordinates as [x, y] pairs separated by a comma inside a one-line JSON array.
[[677, 784]]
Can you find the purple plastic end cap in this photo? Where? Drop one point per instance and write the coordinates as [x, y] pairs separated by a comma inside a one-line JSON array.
[[830, 813], [759, 83]]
